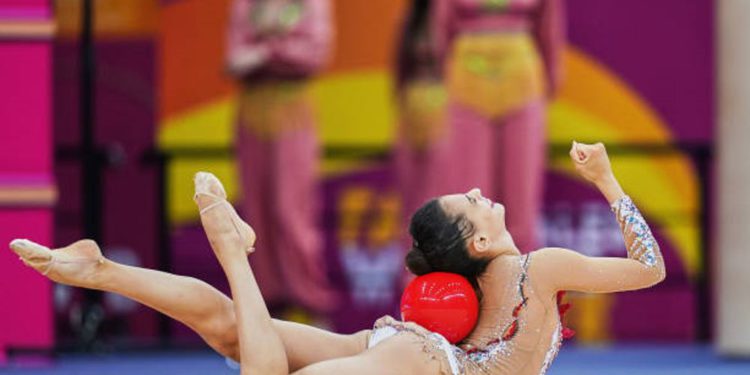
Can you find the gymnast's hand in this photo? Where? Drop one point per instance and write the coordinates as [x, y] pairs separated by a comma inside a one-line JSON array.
[[388, 321], [591, 162]]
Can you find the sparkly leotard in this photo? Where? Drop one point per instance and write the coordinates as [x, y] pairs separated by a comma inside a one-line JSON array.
[[519, 329]]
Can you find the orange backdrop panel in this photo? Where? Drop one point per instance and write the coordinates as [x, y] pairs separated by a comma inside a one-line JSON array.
[[191, 54], [192, 42], [112, 18], [365, 33]]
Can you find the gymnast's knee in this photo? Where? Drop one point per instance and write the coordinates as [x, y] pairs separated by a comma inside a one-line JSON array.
[[220, 332]]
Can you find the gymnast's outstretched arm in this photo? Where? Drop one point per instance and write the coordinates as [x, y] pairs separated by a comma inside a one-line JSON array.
[[562, 269]]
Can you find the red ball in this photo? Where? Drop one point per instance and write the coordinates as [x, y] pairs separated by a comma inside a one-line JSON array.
[[441, 302]]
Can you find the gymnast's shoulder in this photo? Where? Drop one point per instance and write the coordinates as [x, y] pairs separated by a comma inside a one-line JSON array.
[[547, 265]]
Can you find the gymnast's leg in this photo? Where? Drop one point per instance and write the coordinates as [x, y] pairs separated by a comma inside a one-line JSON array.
[[231, 239], [193, 302], [402, 354], [196, 304]]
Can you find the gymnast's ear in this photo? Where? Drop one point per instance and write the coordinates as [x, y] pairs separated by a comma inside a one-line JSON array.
[[480, 242]]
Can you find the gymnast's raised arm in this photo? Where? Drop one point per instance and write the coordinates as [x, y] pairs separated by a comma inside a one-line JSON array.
[[562, 269]]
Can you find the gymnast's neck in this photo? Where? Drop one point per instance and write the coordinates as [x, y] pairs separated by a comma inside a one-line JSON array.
[[492, 279]]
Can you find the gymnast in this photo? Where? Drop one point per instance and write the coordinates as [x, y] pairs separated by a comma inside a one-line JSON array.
[[518, 330]]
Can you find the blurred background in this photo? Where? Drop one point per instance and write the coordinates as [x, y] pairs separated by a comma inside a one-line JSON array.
[[331, 121]]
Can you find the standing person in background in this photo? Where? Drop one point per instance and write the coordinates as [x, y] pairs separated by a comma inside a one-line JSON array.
[[502, 65], [274, 48], [423, 148]]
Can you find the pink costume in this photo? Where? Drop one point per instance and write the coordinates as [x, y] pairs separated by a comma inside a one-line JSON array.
[[501, 61], [423, 148], [273, 48]]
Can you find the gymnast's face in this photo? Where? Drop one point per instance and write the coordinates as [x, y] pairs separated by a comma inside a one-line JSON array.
[[491, 238]]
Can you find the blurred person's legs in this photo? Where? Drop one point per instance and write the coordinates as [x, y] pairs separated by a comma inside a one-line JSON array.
[[421, 174], [471, 162], [519, 163], [278, 158], [504, 158], [423, 149], [496, 88]]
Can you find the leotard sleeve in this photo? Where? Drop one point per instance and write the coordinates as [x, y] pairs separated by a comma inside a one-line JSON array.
[[563, 269]]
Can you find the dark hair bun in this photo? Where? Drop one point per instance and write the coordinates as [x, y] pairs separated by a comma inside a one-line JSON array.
[[417, 263]]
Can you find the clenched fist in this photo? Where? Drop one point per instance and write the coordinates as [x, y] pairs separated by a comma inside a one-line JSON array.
[[591, 162]]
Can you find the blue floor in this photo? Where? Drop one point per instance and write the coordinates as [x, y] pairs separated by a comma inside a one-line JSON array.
[[641, 360], [646, 360]]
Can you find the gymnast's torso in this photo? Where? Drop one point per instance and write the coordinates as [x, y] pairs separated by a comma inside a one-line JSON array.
[[518, 330]]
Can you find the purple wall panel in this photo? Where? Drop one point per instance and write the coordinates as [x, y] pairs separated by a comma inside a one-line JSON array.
[[124, 121], [664, 49]]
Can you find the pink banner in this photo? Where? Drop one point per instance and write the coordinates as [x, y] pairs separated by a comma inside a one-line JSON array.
[[24, 9], [25, 108], [26, 180]]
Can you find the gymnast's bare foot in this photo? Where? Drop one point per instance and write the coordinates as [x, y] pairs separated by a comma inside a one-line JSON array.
[[79, 264], [229, 235]]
